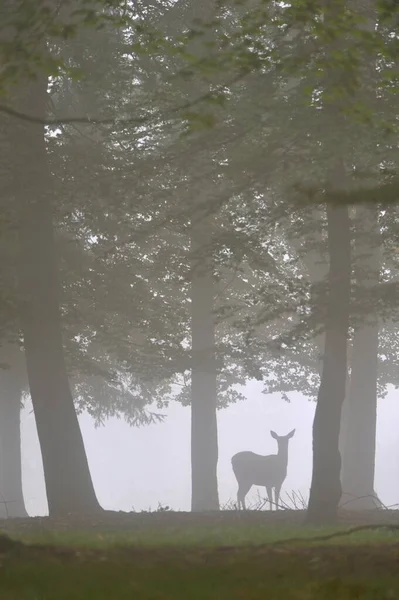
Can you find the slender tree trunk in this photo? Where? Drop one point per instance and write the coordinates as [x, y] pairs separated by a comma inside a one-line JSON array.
[[68, 482], [11, 384], [204, 436], [358, 458], [325, 492]]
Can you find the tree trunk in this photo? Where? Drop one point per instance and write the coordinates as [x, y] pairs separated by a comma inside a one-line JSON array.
[[11, 384], [68, 482], [358, 458], [325, 492], [204, 436], [317, 268]]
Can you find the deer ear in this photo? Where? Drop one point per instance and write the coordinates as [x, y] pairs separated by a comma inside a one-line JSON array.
[[291, 433], [274, 434]]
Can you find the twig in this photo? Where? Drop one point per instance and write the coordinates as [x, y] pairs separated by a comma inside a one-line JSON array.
[[330, 536], [5, 502], [318, 538], [354, 498]]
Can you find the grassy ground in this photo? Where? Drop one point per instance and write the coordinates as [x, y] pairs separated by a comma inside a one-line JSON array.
[[178, 555]]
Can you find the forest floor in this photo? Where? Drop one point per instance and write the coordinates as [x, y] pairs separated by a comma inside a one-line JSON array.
[[174, 555]]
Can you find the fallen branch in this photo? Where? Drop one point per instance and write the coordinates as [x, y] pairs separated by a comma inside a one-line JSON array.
[[337, 534], [319, 538]]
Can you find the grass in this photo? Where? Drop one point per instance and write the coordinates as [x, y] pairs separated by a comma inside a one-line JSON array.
[[177, 555]]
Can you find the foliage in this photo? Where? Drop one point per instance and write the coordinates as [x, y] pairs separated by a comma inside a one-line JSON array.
[[28, 27], [261, 84]]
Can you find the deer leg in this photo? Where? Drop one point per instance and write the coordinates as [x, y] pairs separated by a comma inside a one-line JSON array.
[[243, 490], [269, 491], [277, 490]]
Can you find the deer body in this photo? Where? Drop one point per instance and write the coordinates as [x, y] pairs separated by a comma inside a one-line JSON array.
[[269, 471]]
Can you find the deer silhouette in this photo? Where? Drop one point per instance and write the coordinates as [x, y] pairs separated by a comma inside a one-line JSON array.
[[254, 469]]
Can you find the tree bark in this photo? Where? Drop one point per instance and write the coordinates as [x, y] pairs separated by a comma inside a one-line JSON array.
[[204, 435], [12, 502], [358, 458], [67, 477], [325, 492], [318, 271]]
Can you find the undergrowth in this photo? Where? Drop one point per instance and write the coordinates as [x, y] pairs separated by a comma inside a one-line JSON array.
[[164, 555]]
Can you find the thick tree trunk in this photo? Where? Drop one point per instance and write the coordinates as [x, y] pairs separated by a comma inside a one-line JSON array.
[[204, 436], [358, 460], [68, 482], [317, 268], [11, 384], [359, 432], [360, 409], [325, 492]]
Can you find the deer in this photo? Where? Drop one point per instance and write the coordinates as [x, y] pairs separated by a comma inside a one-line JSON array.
[[254, 469]]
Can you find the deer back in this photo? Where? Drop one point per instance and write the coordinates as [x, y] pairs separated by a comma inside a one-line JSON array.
[[256, 469]]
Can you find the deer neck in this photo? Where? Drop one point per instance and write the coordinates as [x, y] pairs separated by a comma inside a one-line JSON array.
[[282, 456]]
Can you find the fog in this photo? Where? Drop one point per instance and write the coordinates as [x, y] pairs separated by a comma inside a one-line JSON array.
[[135, 469]]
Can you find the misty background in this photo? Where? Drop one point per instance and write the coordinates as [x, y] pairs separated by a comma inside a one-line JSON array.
[[137, 468], [184, 212]]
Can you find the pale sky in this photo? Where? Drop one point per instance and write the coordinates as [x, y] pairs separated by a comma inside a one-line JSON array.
[[134, 469]]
